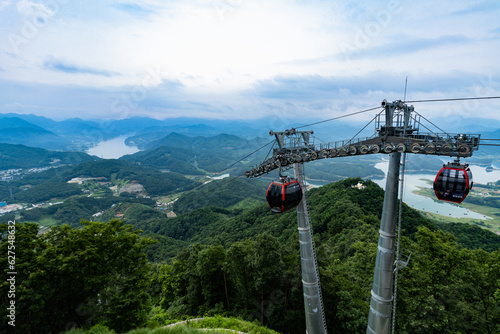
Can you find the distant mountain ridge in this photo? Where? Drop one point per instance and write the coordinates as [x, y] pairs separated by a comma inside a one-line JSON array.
[[16, 122], [77, 134], [145, 136], [15, 130]]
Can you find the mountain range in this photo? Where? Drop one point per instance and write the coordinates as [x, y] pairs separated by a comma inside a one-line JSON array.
[[193, 145]]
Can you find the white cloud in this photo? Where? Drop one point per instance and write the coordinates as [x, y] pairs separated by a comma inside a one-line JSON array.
[[31, 9], [221, 52], [4, 4]]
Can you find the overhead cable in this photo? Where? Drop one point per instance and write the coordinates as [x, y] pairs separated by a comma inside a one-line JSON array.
[[437, 127], [338, 117], [235, 177], [455, 99], [374, 118], [246, 156]]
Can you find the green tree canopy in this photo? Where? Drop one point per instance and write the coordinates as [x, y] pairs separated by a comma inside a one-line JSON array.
[[76, 277]]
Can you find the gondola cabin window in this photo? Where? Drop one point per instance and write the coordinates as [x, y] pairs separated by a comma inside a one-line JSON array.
[[453, 183], [284, 195]]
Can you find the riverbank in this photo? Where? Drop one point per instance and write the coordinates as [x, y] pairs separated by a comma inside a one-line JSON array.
[[491, 215]]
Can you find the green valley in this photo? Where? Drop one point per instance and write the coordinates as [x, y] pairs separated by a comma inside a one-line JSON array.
[[245, 263], [135, 244]]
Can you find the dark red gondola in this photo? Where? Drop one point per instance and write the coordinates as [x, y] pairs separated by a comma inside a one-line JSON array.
[[453, 182], [284, 194]]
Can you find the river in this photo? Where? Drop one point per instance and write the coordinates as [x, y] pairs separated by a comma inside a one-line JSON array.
[[422, 203], [113, 149], [427, 204]]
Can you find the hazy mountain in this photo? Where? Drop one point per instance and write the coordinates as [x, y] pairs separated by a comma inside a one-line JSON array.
[[329, 131], [173, 139], [14, 130], [145, 137], [16, 122], [134, 124], [40, 121], [79, 134], [460, 124], [493, 152], [72, 134], [24, 132], [74, 125]]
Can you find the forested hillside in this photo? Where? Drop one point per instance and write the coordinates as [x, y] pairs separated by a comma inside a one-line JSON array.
[[196, 155], [238, 192], [20, 156], [246, 263], [53, 183]]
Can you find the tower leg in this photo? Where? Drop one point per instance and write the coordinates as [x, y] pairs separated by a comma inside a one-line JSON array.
[[313, 303], [379, 318]]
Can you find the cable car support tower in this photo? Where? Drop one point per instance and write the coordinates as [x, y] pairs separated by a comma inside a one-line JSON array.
[[397, 131]]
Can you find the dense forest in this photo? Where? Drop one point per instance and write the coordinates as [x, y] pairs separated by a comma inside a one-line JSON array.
[[219, 258]]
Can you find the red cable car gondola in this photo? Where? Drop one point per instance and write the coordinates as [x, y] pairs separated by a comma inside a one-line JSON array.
[[453, 182], [284, 194]]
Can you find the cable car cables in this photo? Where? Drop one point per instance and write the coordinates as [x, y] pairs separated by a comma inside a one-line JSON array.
[[361, 112], [374, 108], [240, 160], [338, 117], [274, 141], [413, 101], [246, 156], [374, 118], [455, 99]]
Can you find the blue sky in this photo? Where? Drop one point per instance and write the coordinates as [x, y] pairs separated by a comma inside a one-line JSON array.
[[246, 59]]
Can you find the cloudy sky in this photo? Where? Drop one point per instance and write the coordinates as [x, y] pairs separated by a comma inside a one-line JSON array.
[[246, 59]]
